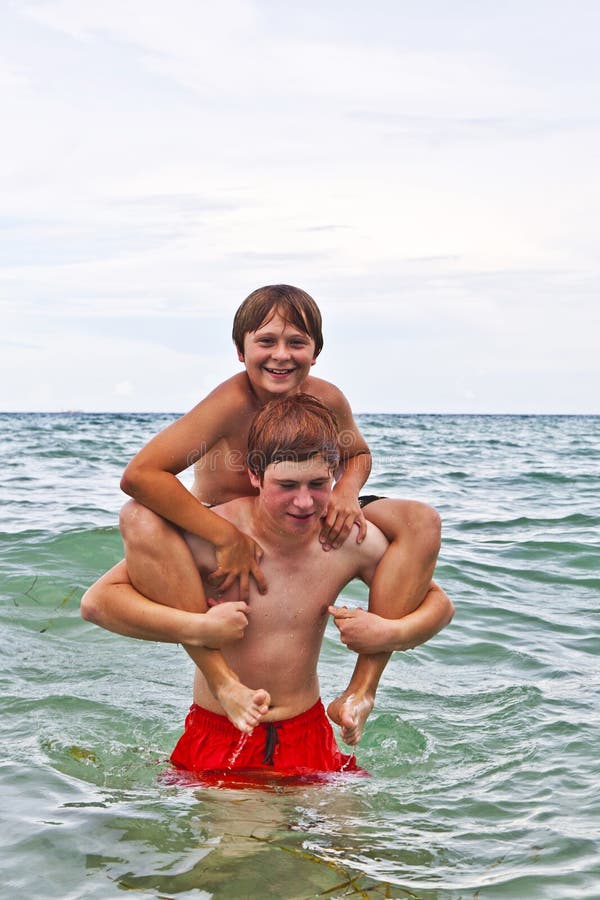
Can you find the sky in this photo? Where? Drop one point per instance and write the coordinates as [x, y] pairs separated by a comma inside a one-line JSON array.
[[428, 171]]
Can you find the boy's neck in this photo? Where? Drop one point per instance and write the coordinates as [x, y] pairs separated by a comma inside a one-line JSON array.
[[268, 532], [263, 397]]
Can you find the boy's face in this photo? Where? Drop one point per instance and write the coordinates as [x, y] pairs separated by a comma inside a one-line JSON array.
[[293, 496], [277, 357]]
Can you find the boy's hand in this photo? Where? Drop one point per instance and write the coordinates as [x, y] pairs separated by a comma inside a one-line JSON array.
[[342, 512], [224, 622], [364, 632], [239, 558]]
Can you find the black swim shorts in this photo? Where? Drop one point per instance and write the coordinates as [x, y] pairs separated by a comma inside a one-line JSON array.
[[365, 499]]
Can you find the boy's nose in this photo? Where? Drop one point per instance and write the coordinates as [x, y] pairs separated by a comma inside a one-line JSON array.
[[280, 351], [303, 498]]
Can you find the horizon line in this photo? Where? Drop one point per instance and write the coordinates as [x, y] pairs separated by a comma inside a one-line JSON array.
[[167, 412]]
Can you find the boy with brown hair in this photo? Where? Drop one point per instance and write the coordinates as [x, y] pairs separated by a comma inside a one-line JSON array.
[[277, 331], [292, 455]]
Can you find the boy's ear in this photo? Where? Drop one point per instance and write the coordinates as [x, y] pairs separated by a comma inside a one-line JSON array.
[[240, 356], [254, 480]]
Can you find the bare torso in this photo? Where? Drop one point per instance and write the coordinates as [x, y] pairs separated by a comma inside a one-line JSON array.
[[220, 473], [280, 648]]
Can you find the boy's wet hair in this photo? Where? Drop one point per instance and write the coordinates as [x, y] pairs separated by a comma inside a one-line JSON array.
[[294, 428], [296, 306]]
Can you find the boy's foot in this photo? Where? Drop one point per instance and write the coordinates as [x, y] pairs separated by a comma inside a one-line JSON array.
[[350, 712], [243, 706]]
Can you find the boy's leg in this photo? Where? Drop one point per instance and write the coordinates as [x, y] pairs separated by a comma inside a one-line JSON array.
[[399, 586], [162, 568], [405, 572]]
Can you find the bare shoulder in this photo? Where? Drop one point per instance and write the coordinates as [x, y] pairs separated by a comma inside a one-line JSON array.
[[227, 402], [221, 414], [327, 393], [333, 398]]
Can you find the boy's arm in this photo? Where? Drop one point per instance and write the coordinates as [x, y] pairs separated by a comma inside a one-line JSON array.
[[150, 478], [355, 466], [366, 632], [113, 603]]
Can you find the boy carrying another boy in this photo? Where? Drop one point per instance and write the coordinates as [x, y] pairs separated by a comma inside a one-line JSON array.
[[292, 455], [277, 331]]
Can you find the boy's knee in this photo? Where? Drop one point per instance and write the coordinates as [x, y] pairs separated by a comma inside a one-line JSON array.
[[407, 520], [138, 522], [426, 526], [425, 523], [430, 522], [87, 606], [129, 515]]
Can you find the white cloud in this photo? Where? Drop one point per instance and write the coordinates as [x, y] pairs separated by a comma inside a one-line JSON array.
[[433, 173], [124, 389], [99, 373]]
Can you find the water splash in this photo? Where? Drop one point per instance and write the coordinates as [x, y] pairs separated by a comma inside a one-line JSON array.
[[235, 753]]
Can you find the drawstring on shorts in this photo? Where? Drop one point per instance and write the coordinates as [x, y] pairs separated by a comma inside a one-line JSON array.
[[271, 741]]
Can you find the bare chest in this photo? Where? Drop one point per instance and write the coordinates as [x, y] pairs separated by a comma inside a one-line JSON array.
[[299, 591], [220, 474]]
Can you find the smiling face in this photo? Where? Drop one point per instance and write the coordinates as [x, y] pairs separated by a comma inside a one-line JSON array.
[[293, 496], [278, 357]]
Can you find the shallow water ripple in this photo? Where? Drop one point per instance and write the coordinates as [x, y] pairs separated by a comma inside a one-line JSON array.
[[482, 745]]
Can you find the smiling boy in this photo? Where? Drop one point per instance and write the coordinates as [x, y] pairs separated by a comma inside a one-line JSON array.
[[292, 454], [277, 332]]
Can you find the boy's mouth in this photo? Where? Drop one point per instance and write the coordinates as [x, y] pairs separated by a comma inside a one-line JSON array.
[[278, 371]]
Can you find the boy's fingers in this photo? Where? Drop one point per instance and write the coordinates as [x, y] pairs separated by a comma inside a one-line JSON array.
[[344, 531], [241, 606], [227, 582], [216, 577], [347, 525], [244, 587], [339, 533], [329, 521], [335, 531], [338, 612], [258, 575], [362, 528], [258, 552], [328, 531]]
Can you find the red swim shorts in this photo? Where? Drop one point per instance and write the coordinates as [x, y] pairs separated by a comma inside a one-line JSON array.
[[301, 746]]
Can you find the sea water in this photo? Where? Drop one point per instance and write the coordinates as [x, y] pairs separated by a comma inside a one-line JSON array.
[[483, 749]]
